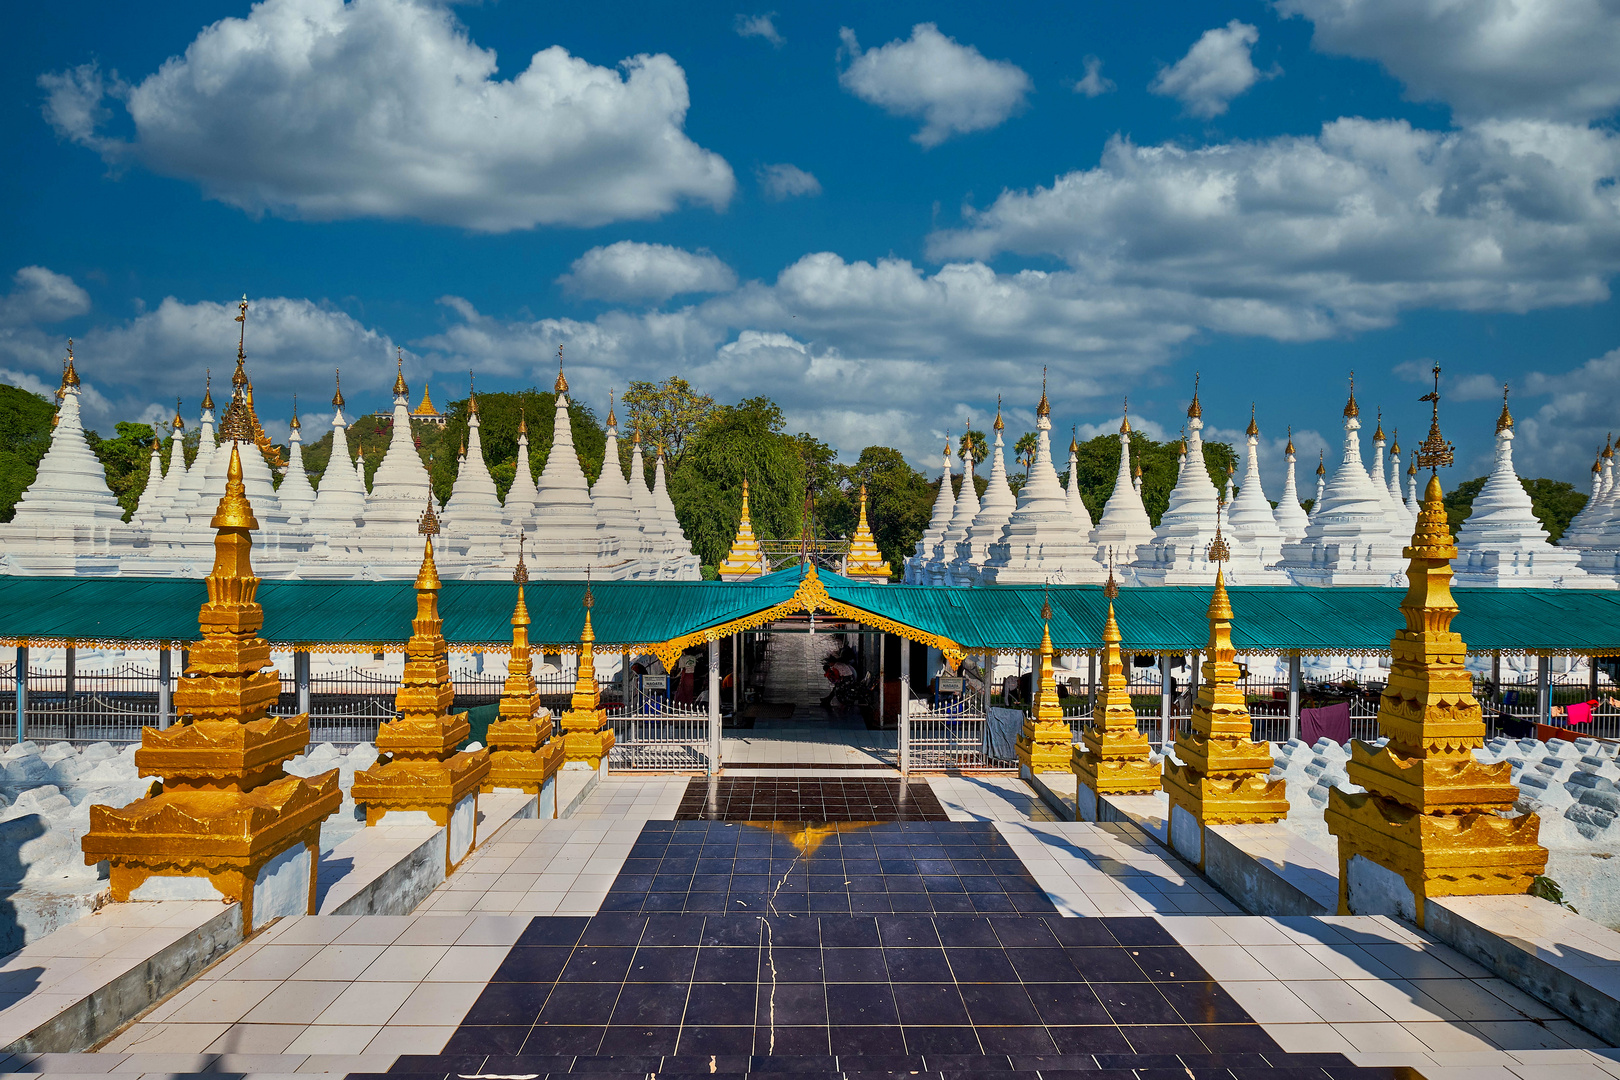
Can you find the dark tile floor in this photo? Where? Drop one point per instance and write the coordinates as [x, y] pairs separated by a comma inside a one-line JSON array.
[[794, 868], [846, 985], [746, 798]]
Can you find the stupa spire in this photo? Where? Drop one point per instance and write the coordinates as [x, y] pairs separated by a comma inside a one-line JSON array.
[[865, 562], [1291, 519], [611, 497], [1124, 524], [587, 738], [1112, 757], [744, 561], [522, 754], [1044, 744], [1249, 515], [938, 522]]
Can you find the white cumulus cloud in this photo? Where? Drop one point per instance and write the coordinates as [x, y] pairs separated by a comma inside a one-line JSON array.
[[1093, 83], [760, 26], [1553, 59], [325, 109], [1215, 70], [39, 295], [629, 270], [786, 181], [952, 88], [1305, 237]]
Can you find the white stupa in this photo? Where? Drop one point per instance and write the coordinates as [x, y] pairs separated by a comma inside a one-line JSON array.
[[1502, 543], [400, 489], [679, 564], [174, 473], [1249, 515], [296, 494], [1408, 518], [1398, 525], [1178, 553], [641, 500], [996, 507], [146, 509], [1599, 543], [917, 565], [183, 546], [472, 527], [360, 467], [336, 520], [568, 538], [1580, 528], [1414, 503], [962, 515], [1042, 541], [1077, 505], [611, 497], [67, 522], [517, 513], [1124, 525], [1349, 540], [1321, 486], [1291, 519]]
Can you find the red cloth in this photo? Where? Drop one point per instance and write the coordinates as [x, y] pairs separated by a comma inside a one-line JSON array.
[[1330, 722], [1580, 712]]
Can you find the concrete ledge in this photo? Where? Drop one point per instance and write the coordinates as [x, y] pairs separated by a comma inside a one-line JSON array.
[[1563, 959], [573, 785], [146, 952], [1267, 870]]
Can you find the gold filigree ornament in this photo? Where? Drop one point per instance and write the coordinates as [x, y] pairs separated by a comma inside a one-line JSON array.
[[225, 809], [1432, 816]]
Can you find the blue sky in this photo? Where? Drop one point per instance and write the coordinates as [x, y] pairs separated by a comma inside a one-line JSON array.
[[882, 216]]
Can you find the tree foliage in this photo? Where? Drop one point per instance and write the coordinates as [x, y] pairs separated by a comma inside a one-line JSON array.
[[25, 435], [667, 414], [126, 459], [744, 440]]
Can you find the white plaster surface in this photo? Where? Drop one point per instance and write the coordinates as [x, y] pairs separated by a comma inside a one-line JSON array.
[[1186, 835], [463, 826], [166, 887], [282, 887], [1375, 890]]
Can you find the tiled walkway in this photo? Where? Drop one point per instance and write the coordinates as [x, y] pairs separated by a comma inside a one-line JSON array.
[[841, 798], [519, 966]]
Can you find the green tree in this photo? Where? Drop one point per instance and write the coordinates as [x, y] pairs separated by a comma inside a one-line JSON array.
[[25, 435], [974, 440], [668, 415], [737, 441], [1024, 450], [498, 418], [126, 460], [1554, 503]]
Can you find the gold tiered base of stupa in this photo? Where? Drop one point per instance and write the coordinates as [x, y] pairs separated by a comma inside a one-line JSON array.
[[1113, 757], [522, 753], [586, 736], [1432, 818], [225, 809], [1223, 777], [1047, 740], [421, 769]]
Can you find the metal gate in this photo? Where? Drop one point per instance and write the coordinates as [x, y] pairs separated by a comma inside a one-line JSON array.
[[951, 734], [655, 733]]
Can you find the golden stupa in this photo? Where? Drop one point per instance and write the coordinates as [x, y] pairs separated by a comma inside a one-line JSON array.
[[224, 811], [745, 560], [586, 734], [1433, 820], [420, 769], [1044, 744], [1113, 757], [1223, 777], [865, 562], [522, 753]]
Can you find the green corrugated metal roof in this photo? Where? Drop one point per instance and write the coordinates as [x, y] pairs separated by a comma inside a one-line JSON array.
[[1001, 618]]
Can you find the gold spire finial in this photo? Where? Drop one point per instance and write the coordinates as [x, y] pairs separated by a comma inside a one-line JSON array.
[[1254, 429], [998, 425], [1046, 602], [1394, 441], [1435, 451], [428, 523], [1350, 407], [1411, 470], [1378, 434], [400, 389], [1195, 411], [234, 511], [1505, 421], [1125, 419], [472, 394], [241, 338], [1321, 464], [1111, 587], [208, 391], [337, 397], [178, 424], [463, 453], [70, 376], [590, 599], [295, 425], [523, 420], [561, 385], [520, 574], [1074, 440], [1608, 447], [1289, 449], [238, 424], [1045, 407], [613, 419]]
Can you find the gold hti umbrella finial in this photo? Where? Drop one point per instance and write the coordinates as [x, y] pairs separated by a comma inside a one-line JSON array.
[[1434, 451]]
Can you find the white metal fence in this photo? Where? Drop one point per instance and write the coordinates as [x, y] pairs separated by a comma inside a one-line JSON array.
[[652, 732], [952, 733]]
